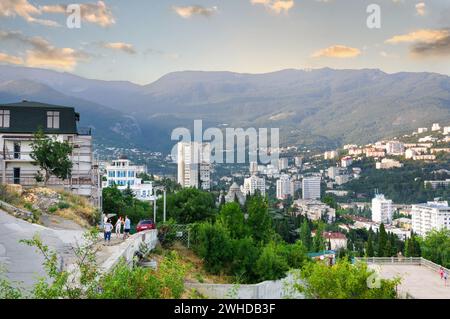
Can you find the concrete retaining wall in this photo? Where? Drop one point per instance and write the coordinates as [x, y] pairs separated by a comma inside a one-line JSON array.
[[279, 289], [128, 248]]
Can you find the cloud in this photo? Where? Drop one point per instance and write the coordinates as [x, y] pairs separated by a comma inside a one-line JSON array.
[[42, 53], [97, 13], [425, 42], [337, 51], [25, 10], [10, 59], [421, 8], [276, 6], [120, 46], [422, 35], [189, 11]]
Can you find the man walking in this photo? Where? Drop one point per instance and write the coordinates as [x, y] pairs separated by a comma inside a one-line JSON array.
[[108, 227], [126, 228]]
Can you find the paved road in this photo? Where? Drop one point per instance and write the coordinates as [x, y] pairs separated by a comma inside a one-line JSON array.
[[23, 263], [419, 281]]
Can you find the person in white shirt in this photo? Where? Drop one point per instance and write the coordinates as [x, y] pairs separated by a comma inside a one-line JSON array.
[[119, 226], [108, 227]]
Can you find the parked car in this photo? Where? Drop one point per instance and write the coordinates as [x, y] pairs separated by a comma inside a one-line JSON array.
[[145, 224]]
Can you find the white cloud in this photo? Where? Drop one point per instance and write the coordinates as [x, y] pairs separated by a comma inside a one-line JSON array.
[[337, 51], [276, 6], [42, 53], [25, 10], [121, 46], [189, 11]]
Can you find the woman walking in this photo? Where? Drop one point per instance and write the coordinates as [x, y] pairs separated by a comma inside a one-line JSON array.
[[118, 226]]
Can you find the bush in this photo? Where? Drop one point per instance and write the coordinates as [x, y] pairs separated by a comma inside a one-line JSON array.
[[124, 282], [213, 244], [167, 233], [52, 209], [271, 265], [63, 205]]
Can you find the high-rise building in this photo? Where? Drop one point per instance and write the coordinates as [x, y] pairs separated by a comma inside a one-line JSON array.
[[382, 209], [435, 127], [194, 165], [254, 183], [298, 161], [429, 216], [284, 187], [253, 168], [311, 187], [283, 163]]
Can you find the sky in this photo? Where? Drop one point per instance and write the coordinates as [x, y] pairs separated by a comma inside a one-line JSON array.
[[142, 40]]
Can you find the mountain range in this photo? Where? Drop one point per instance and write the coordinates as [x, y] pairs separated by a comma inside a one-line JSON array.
[[322, 108]]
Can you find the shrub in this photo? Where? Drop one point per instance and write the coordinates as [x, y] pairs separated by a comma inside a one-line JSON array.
[[63, 205], [271, 265], [214, 246]]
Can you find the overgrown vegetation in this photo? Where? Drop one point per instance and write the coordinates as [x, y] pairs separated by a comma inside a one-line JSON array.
[[86, 281]]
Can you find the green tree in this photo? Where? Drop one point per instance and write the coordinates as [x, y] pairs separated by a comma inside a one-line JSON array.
[[259, 220], [343, 280], [305, 235], [271, 265], [318, 240], [213, 244], [232, 217], [436, 247], [189, 205], [382, 242], [369, 248], [52, 156]]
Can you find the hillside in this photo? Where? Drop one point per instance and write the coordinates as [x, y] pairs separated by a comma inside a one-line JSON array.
[[322, 107]]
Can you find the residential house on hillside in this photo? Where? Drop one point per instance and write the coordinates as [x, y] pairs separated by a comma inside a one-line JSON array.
[[18, 124]]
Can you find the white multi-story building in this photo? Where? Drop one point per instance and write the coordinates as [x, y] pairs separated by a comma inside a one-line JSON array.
[[395, 148], [421, 130], [254, 183], [284, 187], [435, 127], [346, 161], [446, 130], [388, 163], [382, 209], [123, 174], [311, 187], [283, 163], [18, 124], [330, 155], [430, 216], [194, 165]]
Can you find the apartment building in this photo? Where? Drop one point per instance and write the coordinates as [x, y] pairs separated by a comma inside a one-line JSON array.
[[387, 163], [382, 209], [252, 184], [284, 187], [18, 124], [283, 163], [430, 216], [311, 187], [395, 148], [194, 165], [123, 174]]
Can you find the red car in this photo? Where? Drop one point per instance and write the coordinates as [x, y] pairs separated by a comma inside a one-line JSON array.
[[145, 224]]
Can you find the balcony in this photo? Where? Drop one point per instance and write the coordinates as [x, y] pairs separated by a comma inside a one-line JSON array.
[[86, 131]]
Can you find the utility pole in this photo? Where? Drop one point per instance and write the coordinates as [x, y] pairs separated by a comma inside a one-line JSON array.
[[164, 204]]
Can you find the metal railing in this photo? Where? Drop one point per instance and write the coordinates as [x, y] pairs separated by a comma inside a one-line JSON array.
[[418, 261]]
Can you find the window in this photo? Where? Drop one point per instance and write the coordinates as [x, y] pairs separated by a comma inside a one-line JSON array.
[[130, 173], [4, 118], [52, 119]]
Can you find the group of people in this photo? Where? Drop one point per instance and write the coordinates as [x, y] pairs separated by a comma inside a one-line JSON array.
[[108, 228], [444, 275]]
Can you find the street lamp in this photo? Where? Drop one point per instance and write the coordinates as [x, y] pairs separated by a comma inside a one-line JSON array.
[[159, 188]]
